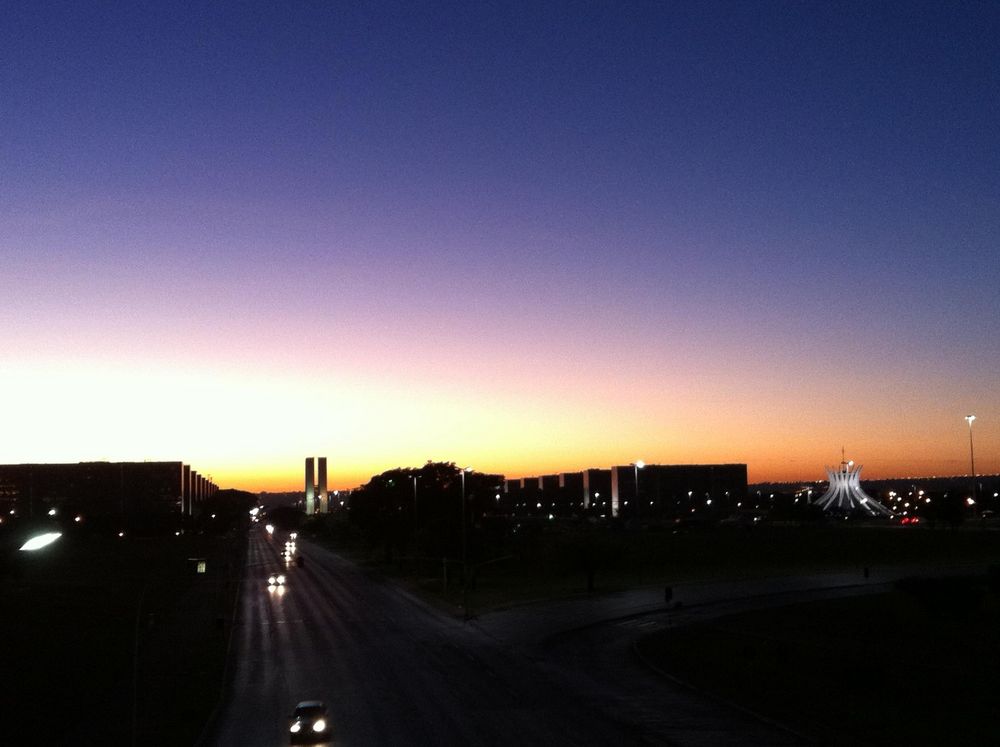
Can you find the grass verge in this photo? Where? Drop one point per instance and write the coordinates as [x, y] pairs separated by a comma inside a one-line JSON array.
[[555, 565], [919, 665]]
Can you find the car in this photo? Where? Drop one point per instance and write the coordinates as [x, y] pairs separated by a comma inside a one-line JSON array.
[[309, 723], [276, 579]]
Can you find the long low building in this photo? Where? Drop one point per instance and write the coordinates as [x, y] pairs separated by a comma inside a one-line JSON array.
[[662, 490], [126, 489]]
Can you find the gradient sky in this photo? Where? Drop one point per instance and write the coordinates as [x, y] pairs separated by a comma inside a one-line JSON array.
[[530, 237]]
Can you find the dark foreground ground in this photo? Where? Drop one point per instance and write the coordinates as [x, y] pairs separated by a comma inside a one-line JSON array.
[[107, 640], [120, 641], [558, 560], [917, 665]]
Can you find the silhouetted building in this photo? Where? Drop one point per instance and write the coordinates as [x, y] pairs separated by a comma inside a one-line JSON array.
[[597, 489], [571, 490], [549, 484], [133, 491], [316, 493], [665, 491], [677, 489]]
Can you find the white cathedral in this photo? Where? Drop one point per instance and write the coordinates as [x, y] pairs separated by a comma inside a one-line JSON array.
[[845, 493]]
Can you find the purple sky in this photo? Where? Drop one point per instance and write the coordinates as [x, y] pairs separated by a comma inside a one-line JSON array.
[[536, 236]]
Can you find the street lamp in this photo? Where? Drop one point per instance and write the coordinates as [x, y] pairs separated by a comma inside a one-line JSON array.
[[414, 503], [637, 465], [972, 458], [416, 525], [39, 541], [465, 574]]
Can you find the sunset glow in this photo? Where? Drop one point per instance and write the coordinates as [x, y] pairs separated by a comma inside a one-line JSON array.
[[532, 252]]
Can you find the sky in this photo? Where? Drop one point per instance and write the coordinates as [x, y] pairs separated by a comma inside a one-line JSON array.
[[526, 237]]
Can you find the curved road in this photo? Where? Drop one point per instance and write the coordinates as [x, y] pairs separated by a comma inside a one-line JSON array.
[[392, 671], [395, 672]]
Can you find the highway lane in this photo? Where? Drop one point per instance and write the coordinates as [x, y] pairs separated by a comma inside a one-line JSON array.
[[392, 671], [395, 672]]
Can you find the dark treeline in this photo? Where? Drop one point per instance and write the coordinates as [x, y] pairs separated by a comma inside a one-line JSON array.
[[419, 510], [412, 518], [415, 514]]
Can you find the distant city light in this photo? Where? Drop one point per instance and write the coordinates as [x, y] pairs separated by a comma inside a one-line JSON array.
[[52, 512]]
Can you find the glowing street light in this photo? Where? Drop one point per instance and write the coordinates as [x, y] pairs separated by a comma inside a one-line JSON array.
[[972, 459], [40, 540], [638, 464]]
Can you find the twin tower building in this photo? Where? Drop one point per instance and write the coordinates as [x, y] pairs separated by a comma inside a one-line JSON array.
[[317, 501]]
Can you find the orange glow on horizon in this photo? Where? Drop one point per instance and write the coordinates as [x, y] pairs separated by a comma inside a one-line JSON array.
[[252, 430]]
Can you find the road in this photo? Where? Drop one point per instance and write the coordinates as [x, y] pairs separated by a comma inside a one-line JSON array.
[[396, 672], [393, 671]]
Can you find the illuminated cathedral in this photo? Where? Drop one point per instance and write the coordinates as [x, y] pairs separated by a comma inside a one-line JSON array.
[[845, 493]]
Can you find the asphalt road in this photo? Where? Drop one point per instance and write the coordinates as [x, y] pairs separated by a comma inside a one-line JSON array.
[[392, 671], [395, 672]]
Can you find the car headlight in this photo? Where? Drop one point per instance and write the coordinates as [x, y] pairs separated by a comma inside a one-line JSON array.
[[271, 580], [281, 579], [295, 728], [319, 725]]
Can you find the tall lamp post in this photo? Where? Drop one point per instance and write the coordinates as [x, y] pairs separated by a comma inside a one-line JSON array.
[[638, 465], [465, 557], [416, 525], [414, 504], [972, 459]]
